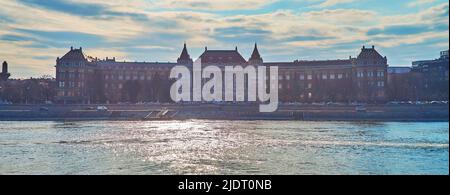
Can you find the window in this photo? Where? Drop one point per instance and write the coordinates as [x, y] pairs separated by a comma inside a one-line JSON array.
[[288, 77], [340, 76], [280, 86], [302, 77], [280, 78], [309, 85], [310, 76], [120, 77], [360, 74], [324, 76], [380, 73], [61, 84], [332, 76], [370, 74], [381, 84], [309, 95], [120, 86]]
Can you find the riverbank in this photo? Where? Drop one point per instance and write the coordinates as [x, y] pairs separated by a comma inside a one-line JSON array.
[[431, 113]]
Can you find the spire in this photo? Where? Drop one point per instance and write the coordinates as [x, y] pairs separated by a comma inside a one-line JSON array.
[[256, 57], [184, 57]]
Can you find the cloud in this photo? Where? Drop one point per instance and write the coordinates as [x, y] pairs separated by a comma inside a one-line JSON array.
[[213, 5], [83, 9], [329, 3], [400, 30], [420, 2], [155, 30]]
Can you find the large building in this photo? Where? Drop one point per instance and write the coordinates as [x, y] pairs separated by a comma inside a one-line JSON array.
[[432, 78], [83, 79]]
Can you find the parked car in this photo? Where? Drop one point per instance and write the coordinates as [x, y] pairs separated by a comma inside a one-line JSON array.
[[102, 108], [43, 109], [361, 109]]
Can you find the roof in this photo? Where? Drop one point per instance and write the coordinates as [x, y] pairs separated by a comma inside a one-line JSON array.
[[369, 53], [311, 63], [184, 54], [74, 55], [399, 70], [222, 57], [255, 54], [104, 63]]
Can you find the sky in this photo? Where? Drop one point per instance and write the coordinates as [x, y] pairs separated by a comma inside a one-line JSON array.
[[33, 33]]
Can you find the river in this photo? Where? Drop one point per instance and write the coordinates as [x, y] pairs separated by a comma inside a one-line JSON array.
[[223, 147]]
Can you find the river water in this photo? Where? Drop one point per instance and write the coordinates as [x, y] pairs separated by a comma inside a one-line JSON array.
[[223, 147]]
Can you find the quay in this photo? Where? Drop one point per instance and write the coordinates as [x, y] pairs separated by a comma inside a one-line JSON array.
[[224, 112]]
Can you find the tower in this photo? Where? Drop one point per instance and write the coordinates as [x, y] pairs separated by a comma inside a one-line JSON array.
[[4, 75], [255, 59], [184, 58]]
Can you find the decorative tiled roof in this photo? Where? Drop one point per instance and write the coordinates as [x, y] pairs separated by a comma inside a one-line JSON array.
[[255, 55], [184, 57], [368, 53], [311, 63], [221, 57], [74, 55]]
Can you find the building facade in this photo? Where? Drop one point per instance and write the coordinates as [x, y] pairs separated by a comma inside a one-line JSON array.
[[431, 81], [84, 79]]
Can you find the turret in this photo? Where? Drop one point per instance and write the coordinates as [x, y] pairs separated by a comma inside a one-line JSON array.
[[255, 59], [4, 75], [5, 67], [185, 58]]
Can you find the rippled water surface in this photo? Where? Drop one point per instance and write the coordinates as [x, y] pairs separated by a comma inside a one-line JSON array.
[[223, 147]]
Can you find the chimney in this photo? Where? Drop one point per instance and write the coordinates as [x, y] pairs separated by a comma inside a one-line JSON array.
[[364, 47], [71, 48], [81, 48], [206, 48], [373, 46], [236, 48]]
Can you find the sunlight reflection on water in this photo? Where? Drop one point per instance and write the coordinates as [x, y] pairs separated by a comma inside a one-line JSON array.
[[223, 147]]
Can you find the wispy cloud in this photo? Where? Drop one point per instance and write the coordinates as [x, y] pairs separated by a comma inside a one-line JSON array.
[[33, 33], [213, 5], [420, 2], [329, 3]]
